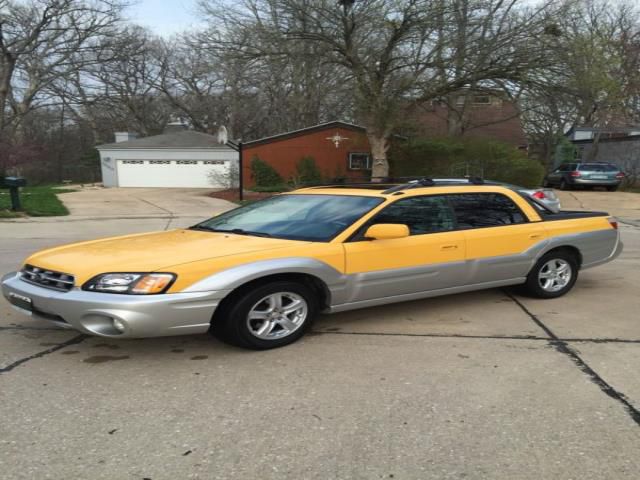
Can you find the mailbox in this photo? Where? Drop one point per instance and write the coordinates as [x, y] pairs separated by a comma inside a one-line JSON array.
[[15, 182]]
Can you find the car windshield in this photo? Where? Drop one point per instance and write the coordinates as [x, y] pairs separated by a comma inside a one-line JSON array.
[[294, 217], [597, 167]]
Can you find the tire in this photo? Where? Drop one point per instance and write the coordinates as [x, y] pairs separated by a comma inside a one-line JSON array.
[[239, 322], [544, 282], [564, 185], [546, 184], [612, 189]]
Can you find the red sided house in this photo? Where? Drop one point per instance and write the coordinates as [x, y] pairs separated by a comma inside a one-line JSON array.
[[339, 149]]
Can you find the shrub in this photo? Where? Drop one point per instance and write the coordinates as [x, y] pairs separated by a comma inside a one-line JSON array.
[[307, 172], [263, 174], [271, 188], [451, 157]]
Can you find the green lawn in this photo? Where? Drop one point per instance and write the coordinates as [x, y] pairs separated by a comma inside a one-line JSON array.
[[36, 202]]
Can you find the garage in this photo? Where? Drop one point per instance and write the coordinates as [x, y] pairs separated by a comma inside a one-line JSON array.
[[172, 173], [184, 159]]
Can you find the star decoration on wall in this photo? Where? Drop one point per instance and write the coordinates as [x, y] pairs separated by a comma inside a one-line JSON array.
[[337, 138]]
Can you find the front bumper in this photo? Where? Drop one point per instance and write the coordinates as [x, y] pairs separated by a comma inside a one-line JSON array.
[[142, 315]]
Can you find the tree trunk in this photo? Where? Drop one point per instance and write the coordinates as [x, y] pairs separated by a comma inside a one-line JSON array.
[[7, 67], [380, 165]]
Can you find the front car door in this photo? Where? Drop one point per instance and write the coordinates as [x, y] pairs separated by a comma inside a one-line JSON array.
[[501, 237], [430, 258]]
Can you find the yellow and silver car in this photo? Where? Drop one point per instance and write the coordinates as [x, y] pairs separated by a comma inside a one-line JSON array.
[[257, 276]]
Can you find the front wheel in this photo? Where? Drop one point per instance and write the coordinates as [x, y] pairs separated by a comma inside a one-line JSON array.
[[553, 275], [269, 316], [564, 185]]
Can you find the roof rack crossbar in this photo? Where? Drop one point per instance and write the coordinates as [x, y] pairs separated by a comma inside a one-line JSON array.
[[423, 182]]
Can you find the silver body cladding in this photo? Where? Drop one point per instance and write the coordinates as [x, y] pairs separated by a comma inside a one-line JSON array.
[[190, 311]]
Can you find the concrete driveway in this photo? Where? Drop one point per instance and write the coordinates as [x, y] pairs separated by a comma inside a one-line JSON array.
[[97, 202], [486, 385]]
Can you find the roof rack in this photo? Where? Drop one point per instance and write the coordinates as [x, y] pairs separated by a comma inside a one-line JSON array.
[[423, 182], [435, 182]]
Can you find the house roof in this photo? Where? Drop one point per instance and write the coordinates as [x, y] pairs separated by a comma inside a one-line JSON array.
[[305, 131], [628, 138], [183, 140]]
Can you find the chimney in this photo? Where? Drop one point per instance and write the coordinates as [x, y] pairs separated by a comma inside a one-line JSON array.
[[125, 136]]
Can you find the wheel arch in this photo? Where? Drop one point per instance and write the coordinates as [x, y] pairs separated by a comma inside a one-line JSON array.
[[571, 249], [311, 281]]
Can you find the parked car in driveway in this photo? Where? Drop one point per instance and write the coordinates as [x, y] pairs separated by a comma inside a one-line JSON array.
[[571, 175], [257, 276]]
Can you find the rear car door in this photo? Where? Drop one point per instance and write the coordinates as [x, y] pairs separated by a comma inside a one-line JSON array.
[[430, 258], [499, 236]]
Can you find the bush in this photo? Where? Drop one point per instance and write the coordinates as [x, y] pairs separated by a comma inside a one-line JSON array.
[[307, 171], [271, 189], [263, 174], [459, 157]]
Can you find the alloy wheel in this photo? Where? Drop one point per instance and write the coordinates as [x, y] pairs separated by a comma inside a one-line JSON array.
[[277, 315], [555, 275]]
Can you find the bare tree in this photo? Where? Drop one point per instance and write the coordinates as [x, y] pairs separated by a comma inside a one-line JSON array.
[[395, 54]]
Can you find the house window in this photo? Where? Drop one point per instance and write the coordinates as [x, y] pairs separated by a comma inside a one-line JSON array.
[[214, 162], [187, 162], [359, 161], [133, 162], [481, 100], [159, 162]]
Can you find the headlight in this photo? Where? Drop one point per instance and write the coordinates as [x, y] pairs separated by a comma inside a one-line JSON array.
[[131, 283]]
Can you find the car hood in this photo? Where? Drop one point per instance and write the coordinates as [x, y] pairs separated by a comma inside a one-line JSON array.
[[148, 252]]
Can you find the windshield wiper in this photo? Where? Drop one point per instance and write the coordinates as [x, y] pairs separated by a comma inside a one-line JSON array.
[[240, 231], [237, 231]]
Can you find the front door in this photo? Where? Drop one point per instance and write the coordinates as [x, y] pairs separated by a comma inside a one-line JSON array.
[[431, 258]]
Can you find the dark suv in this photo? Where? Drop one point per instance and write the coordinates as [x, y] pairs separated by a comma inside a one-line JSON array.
[[570, 175]]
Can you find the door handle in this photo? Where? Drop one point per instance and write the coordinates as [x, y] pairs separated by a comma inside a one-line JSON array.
[[448, 247], [535, 235]]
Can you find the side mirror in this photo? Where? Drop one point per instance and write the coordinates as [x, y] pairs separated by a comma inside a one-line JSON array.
[[386, 231]]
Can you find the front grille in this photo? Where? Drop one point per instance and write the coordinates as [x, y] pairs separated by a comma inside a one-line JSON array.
[[47, 278]]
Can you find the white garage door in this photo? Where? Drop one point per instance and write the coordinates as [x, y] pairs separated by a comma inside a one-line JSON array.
[[173, 173]]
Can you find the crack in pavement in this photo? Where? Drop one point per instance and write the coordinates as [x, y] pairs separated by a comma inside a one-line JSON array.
[[481, 337], [577, 200], [171, 214], [562, 347], [45, 329], [73, 341]]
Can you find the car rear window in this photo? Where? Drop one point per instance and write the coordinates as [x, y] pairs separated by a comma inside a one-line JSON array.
[[478, 210], [597, 167]]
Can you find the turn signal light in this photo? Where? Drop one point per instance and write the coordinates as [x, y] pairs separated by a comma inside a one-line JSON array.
[[150, 284], [619, 175], [613, 222], [576, 174]]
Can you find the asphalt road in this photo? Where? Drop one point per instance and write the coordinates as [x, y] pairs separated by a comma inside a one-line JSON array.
[[486, 385]]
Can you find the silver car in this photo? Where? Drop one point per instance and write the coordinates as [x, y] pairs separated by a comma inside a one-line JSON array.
[[572, 175]]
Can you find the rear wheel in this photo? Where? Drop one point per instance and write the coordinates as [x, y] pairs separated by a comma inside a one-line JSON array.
[[269, 316], [553, 275], [546, 184], [612, 188], [564, 185]]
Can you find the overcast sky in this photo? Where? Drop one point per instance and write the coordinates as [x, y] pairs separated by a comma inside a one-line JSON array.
[[164, 17]]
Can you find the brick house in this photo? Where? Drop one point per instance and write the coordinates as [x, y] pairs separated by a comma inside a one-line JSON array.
[[340, 149], [481, 115]]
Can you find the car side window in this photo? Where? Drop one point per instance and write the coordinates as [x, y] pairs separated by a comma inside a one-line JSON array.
[[428, 214], [479, 210]]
